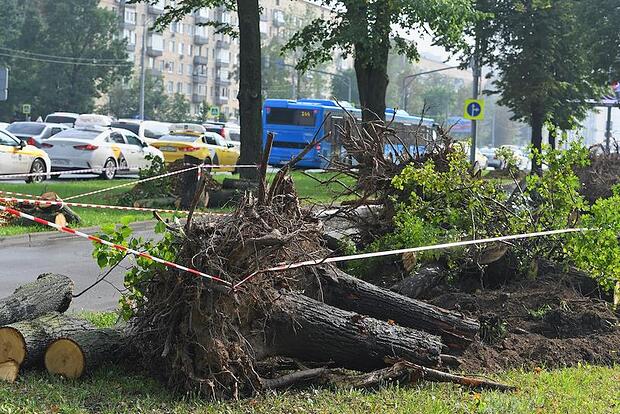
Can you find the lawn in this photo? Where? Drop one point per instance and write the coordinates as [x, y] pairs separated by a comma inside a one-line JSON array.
[[309, 190], [111, 389]]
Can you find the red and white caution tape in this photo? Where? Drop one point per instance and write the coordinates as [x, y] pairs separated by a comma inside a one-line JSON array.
[[96, 239], [84, 171], [442, 246], [46, 203], [12, 193], [157, 177]]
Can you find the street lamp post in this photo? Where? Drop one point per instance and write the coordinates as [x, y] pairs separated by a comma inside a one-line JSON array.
[[142, 67], [406, 84]]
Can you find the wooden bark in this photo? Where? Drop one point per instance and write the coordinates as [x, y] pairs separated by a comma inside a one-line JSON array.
[[25, 342], [9, 370], [347, 292], [420, 282], [250, 99], [49, 293], [304, 328], [76, 353]]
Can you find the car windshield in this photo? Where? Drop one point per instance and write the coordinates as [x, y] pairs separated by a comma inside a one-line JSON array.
[[58, 119], [179, 138], [135, 128], [26, 128], [77, 133]]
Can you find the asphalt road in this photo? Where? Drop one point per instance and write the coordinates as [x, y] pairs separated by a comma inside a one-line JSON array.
[[23, 258]]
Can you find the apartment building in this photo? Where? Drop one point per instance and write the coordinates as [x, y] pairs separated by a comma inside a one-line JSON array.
[[191, 58]]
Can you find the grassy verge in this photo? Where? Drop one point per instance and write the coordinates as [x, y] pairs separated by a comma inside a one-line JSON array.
[[309, 189], [580, 390]]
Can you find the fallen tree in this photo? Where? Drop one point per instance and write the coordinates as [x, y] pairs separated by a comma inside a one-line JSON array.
[[49, 293], [80, 351], [25, 342]]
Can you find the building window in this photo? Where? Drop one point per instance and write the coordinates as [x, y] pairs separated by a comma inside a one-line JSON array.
[[181, 48], [130, 16], [130, 35], [179, 87], [170, 87], [189, 88], [190, 50], [162, 64], [190, 69], [156, 42], [151, 63], [180, 70], [170, 67]]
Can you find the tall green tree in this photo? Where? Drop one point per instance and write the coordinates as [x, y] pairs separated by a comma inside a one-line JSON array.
[[177, 109], [340, 87], [250, 97], [67, 53], [124, 98], [366, 29], [543, 55]]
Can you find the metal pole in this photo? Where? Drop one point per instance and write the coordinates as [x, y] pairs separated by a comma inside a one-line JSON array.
[[349, 85], [142, 69], [608, 130], [474, 124], [405, 84]]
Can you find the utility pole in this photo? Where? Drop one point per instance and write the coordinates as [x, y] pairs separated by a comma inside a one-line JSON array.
[[142, 68], [608, 130]]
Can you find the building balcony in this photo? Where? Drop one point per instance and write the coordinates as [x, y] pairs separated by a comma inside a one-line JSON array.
[[201, 40], [200, 60], [155, 10], [197, 98], [222, 61], [200, 19], [129, 25], [222, 81], [199, 79], [222, 44], [154, 52], [221, 100], [156, 73]]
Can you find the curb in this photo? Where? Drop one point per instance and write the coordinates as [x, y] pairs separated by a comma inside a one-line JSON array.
[[40, 238]]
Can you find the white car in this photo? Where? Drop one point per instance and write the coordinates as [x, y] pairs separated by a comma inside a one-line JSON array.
[[67, 118], [16, 157], [4, 125], [149, 131], [96, 147]]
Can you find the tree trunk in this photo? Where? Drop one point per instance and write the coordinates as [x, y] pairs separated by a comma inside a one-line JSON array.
[[49, 293], [347, 292], [74, 354], [249, 96], [25, 342], [420, 282], [303, 328], [9, 371], [537, 129], [553, 137]]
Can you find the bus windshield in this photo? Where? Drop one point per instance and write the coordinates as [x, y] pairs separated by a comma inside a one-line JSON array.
[[287, 116]]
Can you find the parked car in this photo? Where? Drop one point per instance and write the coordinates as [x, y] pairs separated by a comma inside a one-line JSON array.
[[148, 131], [35, 132], [17, 157], [88, 120], [67, 118], [230, 132], [99, 148], [3, 125], [194, 141], [492, 160]]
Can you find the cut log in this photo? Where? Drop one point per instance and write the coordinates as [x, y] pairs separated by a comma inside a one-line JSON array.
[[224, 198], [420, 282], [339, 289], [73, 355], [301, 327], [49, 293], [25, 342], [9, 371]]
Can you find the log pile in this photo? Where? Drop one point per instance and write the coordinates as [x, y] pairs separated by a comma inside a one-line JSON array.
[[35, 332], [61, 215]]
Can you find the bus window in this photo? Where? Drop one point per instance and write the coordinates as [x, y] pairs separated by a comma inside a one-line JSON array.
[[286, 116]]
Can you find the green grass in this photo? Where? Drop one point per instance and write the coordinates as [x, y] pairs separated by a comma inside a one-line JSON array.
[[579, 390], [100, 319], [309, 190]]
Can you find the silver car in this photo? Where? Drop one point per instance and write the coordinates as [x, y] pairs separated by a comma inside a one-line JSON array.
[[102, 148], [34, 133]]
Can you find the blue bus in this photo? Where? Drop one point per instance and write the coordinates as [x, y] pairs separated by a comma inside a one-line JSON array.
[[296, 123]]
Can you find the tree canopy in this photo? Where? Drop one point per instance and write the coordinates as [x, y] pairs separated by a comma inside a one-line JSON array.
[[369, 29], [54, 66]]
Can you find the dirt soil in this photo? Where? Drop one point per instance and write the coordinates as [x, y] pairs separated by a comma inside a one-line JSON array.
[[559, 319]]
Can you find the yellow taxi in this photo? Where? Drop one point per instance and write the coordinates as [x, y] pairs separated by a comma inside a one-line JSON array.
[[194, 141], [16, 157]]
